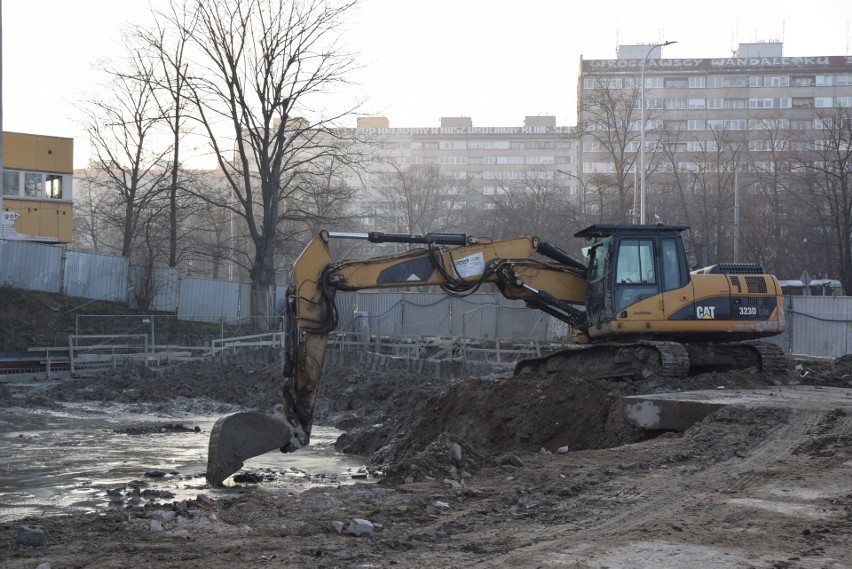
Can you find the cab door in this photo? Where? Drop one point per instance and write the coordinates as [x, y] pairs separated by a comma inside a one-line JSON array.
[[597, 304], [636, 276]]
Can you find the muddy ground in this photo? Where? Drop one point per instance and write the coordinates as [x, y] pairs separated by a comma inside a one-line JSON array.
[[488, 472]]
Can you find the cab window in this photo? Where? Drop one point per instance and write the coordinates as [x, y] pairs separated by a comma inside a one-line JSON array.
[[636, 262]]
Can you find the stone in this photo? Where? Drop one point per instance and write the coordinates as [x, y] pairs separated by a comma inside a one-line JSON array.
[[360, 528], [32, 536]]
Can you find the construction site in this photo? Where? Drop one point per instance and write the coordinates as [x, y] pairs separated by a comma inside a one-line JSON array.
[[451, 465]]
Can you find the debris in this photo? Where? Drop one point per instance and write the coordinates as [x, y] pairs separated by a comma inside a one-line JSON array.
[[360, 528], [32, 536]]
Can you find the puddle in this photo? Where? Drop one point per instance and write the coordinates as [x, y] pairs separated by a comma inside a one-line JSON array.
[[74, 461]]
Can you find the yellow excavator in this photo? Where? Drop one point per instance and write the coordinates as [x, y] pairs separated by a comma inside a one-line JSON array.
[[634, 307]]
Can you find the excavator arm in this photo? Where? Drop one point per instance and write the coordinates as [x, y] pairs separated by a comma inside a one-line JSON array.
[[457, 263]]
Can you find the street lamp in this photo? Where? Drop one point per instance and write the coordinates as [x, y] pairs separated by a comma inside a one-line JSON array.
[[642, 134]]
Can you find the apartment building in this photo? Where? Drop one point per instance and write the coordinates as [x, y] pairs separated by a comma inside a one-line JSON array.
[[482, 160], [746, 110]]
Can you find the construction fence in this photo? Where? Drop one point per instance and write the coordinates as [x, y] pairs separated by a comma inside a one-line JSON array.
[[817, 326]]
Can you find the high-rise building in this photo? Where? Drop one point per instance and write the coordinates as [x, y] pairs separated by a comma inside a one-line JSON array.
[[481, 161], [751, 113]]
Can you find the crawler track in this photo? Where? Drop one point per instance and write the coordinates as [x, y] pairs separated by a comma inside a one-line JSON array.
[[666, 359]]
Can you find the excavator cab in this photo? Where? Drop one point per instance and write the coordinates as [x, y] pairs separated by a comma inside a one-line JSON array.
[[628, 264]]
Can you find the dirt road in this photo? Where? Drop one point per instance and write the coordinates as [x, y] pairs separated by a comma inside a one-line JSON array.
[[467, 483]]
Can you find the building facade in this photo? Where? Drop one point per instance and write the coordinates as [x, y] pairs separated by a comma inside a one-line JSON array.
[[37, 187], [752, 114], [478, 161]]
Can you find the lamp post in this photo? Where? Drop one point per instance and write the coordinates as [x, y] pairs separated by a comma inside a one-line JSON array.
[[642, 133]]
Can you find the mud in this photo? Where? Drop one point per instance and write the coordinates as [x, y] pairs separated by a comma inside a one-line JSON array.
[[487, 472]]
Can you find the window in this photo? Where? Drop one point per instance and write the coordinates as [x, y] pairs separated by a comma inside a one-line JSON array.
[[636, 262], [452, 160], [695, 124], [843, 101], [736, 81], [824, 80], [697, 104], [696, 82], [635, 269], [769, 103], [653, 82], [735, 103], [776, 81], [591, 146], [803, 81], [673, 269], [654, 103], [715, 103], [540, 160], [701, 146], [675, 83], [822, 102], [11, 183], [676, 103], [598, 167], [844, 80], [769, 81], [33, 185], [453, 144], [715, 81], [53, 186]]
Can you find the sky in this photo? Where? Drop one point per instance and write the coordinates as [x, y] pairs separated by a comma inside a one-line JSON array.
[[495, 61]]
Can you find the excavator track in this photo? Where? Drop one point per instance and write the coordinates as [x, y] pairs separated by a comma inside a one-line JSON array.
[[613, 361], [729, 356], [663, 359]]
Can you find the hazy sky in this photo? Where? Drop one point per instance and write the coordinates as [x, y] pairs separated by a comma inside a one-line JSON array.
[[493, 60]]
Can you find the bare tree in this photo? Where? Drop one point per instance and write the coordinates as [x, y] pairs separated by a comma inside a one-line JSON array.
[[765, 196], [417, 199], [91, 230], [825, 174], [256, 67], [610, 125], [129, 165], [536, 205], [166, 48]]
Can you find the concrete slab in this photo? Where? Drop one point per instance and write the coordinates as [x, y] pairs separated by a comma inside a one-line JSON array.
[[680, 410]]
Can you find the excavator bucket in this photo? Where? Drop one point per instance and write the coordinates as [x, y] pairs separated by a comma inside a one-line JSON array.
[[239, 437]]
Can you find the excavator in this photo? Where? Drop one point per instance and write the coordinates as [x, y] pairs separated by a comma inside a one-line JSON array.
[[634, 307]]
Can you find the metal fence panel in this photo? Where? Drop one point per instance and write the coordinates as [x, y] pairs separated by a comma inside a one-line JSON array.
[[437, 314], [31, 266], [94, 276], [208, 300], [819, 325], [165, 288]]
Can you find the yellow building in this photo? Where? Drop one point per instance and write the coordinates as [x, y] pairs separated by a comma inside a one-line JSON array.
[[37, 187]]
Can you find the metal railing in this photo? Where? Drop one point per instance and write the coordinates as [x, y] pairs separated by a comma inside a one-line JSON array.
[[487, 350]]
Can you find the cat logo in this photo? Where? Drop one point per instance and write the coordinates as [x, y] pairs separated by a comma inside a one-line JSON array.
[[705, 312]]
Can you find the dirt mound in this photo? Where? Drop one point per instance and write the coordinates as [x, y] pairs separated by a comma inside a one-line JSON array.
[[252, 379]]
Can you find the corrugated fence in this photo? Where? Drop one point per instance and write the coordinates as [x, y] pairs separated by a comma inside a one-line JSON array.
[[816, 325]]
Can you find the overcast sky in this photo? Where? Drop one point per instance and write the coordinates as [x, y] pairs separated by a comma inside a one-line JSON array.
[[493, 60]]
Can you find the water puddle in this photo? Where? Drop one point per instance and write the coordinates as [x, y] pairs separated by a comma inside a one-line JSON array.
[[84, 459]]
